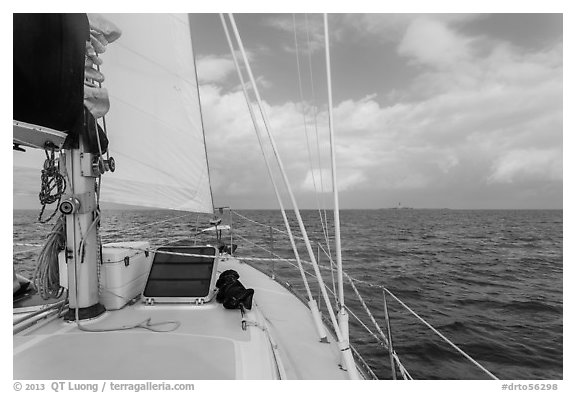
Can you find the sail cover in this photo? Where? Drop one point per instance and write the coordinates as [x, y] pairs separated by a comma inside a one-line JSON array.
[[154, 124]]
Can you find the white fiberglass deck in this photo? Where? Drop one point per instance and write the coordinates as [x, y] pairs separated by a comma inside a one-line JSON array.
[[292, 327], [208, 344]]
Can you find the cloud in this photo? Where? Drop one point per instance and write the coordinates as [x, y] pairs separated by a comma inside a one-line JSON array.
[[214, 68], [431, 42], [478, 113], [527, 164], [469, 114], [309, 30], [321, 180], [392, 27]]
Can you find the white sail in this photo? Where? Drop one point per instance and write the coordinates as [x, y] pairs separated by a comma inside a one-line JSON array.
[[154, 123]]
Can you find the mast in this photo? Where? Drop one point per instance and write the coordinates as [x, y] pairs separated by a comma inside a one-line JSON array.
[[82, 256]]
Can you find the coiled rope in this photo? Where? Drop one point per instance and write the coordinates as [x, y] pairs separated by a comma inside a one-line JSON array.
[[46, 275], [53, 185]]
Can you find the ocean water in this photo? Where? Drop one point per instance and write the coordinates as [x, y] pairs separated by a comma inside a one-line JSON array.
[[490, 280]]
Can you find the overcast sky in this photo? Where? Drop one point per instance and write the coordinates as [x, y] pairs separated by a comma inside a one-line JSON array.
[[430, 110]]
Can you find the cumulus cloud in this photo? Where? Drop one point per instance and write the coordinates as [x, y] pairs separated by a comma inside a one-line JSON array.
[[218, 70], [317, 180], [478, 113], [432, 42], [309, 30], [392, 27], [214, 69], [527, 164]]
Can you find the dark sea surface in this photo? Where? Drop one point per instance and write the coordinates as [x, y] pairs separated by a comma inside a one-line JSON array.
[[490, 280]]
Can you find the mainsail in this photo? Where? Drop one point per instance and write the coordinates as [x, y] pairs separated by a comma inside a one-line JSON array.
[[154, 123]]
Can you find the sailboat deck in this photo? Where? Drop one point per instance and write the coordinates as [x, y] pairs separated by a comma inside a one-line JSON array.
[[208, 344], [291, 325]]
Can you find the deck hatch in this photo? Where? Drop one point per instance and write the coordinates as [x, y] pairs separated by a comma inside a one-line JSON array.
[[179, 275]]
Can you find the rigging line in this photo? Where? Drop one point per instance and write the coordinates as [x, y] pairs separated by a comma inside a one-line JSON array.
[[424, 322], [367, 310], [301, 90], [103, 118], [96, 126], [334, 177], [267, 226], [332, 264], [279, 258], [222, 257], [405, 374], [264, 249], [27, 245], [27, 250], [366, 366], [331, 269], [281, 232], [403, 370], [200, 111], [150, 224], [259, 137], [46, 277], [315, 111], [378, 340], [41, 310], [441, 335], [84, 237], [51, 179], [361, 299], [96, 220], [333, 292], [341, 339]]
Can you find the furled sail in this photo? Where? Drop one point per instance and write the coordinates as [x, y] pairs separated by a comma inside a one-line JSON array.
[[154, 123]]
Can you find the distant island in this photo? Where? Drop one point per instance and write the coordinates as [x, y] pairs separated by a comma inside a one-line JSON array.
[[401, 207]]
